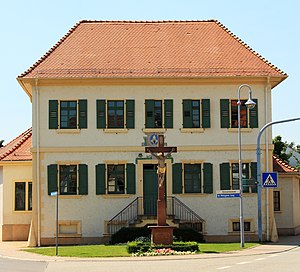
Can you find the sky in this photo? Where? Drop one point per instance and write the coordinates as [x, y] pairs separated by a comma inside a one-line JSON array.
[[28, 29]]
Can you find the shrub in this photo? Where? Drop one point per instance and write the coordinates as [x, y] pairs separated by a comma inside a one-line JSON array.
[[125, 235], [138, 247]]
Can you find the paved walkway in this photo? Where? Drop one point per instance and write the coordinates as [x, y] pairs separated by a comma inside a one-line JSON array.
[[14, 250]]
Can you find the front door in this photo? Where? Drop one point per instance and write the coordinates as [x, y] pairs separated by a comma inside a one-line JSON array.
[[150, 189]]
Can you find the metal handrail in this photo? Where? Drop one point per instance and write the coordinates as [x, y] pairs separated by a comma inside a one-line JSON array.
[[175, 209]]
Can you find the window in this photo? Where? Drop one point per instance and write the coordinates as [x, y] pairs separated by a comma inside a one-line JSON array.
[[229, 177], [67, 114], [192, 178], [115, 179], [196, 113], [159, 113], [23, 196], [276, 199], [115, 111], [115, 114], [229, 114], [236, 226], [68, 179]]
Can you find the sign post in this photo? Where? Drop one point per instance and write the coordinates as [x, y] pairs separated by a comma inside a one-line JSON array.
[[56, 219]]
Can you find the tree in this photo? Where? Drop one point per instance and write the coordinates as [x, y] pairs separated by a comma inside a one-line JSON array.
[[280, 148], [1, 143]]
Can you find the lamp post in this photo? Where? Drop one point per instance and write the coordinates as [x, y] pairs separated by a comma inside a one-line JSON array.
[[250, 104]]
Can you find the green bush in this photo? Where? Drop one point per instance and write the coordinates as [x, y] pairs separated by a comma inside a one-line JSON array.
[[135, 247], [125, 235], [130, 234]]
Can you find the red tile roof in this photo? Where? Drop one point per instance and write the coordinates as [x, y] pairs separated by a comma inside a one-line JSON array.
[[110, 49], [282, 167], [18, 149]]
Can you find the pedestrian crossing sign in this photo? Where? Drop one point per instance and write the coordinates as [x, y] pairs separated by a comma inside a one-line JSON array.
[[269, 180]]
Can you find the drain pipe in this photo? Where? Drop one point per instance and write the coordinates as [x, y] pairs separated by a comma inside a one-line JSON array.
[[37, 162]]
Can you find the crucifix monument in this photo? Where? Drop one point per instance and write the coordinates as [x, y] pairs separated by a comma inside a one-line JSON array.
[[161, 234]]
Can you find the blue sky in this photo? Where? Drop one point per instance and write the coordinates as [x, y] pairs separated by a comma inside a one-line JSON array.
[[30, 28]]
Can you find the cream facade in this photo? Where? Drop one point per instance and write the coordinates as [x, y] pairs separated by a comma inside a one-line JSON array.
[[83, 217], [15, 217]]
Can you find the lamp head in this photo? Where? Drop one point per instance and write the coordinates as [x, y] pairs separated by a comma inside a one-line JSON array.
[[250, 104]]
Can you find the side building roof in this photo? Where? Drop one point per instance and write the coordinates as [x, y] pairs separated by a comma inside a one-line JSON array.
[[18, 149], [282, 167]]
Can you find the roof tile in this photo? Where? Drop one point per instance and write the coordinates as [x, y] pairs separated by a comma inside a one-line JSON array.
[[282, 167], [150, 49]]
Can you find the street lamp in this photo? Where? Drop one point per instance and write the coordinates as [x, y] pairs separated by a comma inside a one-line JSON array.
[[250, 104]]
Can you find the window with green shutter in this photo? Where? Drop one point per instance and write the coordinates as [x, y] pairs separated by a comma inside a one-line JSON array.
[[130, 118], [100, 179], [177, 178], [68, 114], [187, 113], [229, 114], [101, 113], [68, 179], [225, 176], [82, 107], [168, 113], [52, 170], [83, 179], [192, 178], [224, 112], [53, 114], [253, 187], [208, 178], [205, 113], [130, 178]]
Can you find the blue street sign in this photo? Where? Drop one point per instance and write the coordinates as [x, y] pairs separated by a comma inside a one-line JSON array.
[[269, 180], [228, 193]]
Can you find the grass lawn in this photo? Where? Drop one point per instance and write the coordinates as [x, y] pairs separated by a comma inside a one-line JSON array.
[[120, 250]]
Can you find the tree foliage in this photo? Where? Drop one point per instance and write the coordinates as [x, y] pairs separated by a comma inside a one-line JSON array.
[[280, 148], [1, 143]]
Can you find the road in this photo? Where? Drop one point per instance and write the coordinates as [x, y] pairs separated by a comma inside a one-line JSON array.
[[288, 261]]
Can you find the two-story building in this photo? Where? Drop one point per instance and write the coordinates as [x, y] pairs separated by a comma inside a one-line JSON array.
[[105, 87]]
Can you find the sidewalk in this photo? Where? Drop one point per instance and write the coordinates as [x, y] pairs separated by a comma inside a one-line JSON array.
[[14, 250]]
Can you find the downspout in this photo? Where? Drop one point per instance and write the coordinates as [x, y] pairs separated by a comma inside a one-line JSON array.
[[267, 120], [37, 161]]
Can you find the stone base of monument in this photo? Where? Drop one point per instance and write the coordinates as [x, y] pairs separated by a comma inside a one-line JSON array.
[[162, 235]]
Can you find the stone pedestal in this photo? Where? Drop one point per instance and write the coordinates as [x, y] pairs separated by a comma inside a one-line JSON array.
[[162, 235]]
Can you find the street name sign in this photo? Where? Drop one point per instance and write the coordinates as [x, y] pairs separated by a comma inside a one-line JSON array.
[[228, 193], [269, 180]]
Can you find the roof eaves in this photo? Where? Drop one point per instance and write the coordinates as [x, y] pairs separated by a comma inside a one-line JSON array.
[[285, 75]]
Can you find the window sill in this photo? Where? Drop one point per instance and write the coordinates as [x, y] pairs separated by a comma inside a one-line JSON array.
[[235, 130], [115, 130], [68, 131], [194, 195], [192, 130], [154, 130], [237, 233], [69, 196], [69, 235], [116, 196]]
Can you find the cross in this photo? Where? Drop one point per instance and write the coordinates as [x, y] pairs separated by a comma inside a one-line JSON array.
[[159, 153]]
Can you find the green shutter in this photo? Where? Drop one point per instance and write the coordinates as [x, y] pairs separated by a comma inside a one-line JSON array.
[[205, 113], [254, 115], [149, 113], [101, 114], [130, 178], [224, 111], [52, 178], [254, 176], [100, 179], [177, 178], [130, 114], [225, 176], [83, 179], [82, 107], [208, 178], [168, 110], [187, 113], [53, 114]]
